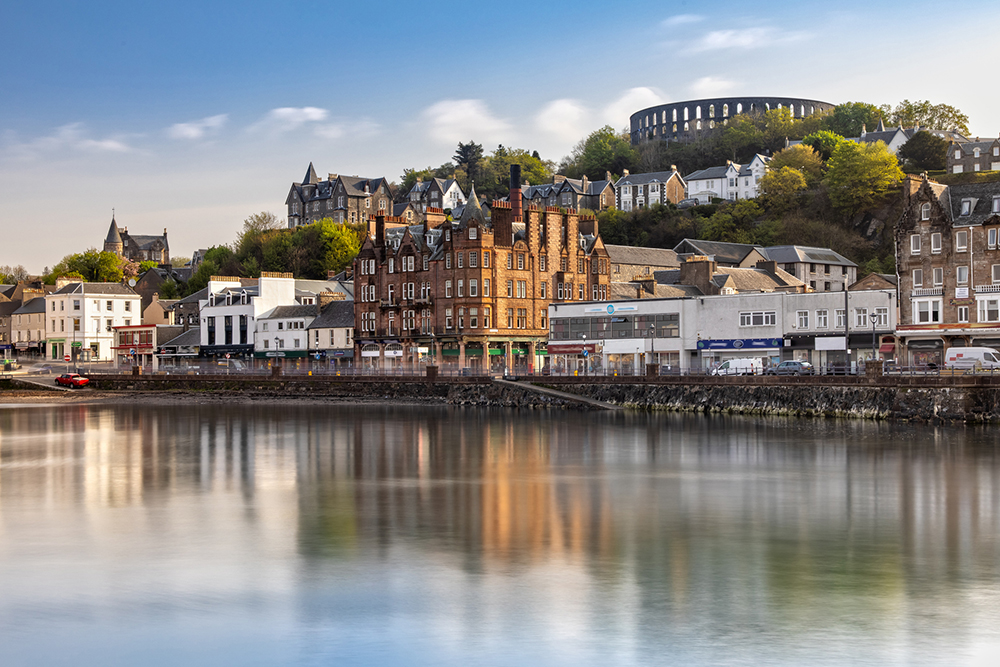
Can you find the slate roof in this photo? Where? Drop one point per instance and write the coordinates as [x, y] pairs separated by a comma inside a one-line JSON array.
[[633, 290], [724, 253], [7, 290], [36, 305], [190, 338], [788, 254], [710, 173], [752, 280], [981, 194], [7, 308], [651, 177], [144, 241], [96, 288], [623, 254], [317, 286], [113, 235], [310, 176], [336, 315], [472, 211], [285, 312], [968, 148]]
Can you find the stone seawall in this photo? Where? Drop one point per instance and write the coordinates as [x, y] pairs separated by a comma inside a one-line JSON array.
[[905, 401]]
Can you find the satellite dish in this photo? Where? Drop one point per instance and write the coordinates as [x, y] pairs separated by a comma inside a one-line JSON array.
[[131, 282]]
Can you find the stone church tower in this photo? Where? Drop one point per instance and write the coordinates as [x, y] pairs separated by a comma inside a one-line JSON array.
[[114, 241]]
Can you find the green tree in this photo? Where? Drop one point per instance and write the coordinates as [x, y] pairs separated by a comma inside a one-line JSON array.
[[495, 172], [803, 158], [94, 266], [860, 175], [824, 142], [147, 265], [925, 114], [846, 119], [11, 275], [780, 186], [469, 158], [169, 290], [924, 151], [603, 150], [341, 245]]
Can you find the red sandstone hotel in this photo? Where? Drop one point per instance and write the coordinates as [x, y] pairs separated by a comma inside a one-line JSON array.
[[474, 293]]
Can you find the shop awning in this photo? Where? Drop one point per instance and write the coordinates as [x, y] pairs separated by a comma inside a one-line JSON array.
[[887, 347]]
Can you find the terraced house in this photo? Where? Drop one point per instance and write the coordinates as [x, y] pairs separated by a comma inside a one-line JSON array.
[[948, 265], [474, 293]]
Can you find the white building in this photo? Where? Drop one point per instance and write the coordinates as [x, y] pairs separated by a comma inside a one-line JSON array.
[[733, 181], [331, 334], [80, 318], [700, 332], [229, 313]]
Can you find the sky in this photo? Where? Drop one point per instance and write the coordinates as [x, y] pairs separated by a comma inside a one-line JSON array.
[[191, 116]]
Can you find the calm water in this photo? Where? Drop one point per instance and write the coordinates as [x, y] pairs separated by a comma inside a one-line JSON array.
[[250, 535]]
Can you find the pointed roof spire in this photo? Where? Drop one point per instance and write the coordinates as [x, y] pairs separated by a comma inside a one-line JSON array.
[[472, 209], [880, 127], [310, 176], [113, 235]]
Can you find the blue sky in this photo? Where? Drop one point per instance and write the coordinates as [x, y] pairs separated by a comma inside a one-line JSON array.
[[194, 115]]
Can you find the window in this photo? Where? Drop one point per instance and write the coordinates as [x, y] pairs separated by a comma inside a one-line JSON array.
[[486, 259], [76, 304], [928, 311], [938, 277], [861, 318], [915, 244], [881, 317], [840, 315], [961, 241], [935, 243], [473, 233], [996, 274], [962, 275], [757, 319], [522, 318], [76, 324], [991, 237], [996, 201], [802, 319], [522, 289], [392, 265], [486, 287], [447, 289], [963, 313], [544, 287], [461, 259], [510, 288], [426, 262], [128, 306], [473, 287], [520, 261], [580, 269], [510, 318], [925, 212], [583, 291], [110, 305], [510, 260], [541, 263], [267, 343], [461, 288], [918, 277], [822, 319], [473, 260], [263, 326], [473, 318], [989, 310], [447, 260], [966, 207]]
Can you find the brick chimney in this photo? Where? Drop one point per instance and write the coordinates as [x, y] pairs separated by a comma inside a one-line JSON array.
[[516, 208], [558, 178]]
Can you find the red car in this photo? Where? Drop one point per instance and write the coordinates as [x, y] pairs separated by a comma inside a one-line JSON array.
[[72, 380]]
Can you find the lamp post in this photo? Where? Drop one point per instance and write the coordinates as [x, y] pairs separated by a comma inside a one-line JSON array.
[[585, 354]]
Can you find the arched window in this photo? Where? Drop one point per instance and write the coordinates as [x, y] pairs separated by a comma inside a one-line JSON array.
[[664, 121], [686, 117], [687, 127], [697, 111], [711, 124], [675, 115], [739, 107], [725, 110], [802, 110], [925, 212], [697, 125], [711, 111], [767, 106], [675, 128]]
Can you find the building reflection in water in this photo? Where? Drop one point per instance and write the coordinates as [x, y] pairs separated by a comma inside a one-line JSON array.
[[650, 520]]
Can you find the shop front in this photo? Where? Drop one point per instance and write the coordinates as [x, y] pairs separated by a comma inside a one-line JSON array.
[[715, 351]]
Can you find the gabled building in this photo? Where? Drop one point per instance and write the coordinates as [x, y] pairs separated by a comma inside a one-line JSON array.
[[732, 181], [136, 247], [571, 193], [80, 319], [948, 268], [725, 254], [895, 137], [349, 199], [281, 332], [629, 262], [331, 334], [974, 155], [634, 191], [28, 328], [824, 270], [443, 193], [468, 292]]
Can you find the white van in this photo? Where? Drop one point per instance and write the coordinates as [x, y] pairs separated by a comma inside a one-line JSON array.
[[972, 358], [744, 366]]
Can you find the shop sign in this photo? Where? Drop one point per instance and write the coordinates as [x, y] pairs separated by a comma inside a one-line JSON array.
[[740, 344], [572, 348]]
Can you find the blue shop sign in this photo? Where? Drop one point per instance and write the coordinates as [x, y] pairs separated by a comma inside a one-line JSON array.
[[740, 344]]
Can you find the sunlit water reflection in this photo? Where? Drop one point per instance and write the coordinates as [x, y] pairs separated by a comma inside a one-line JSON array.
[[241, 534]]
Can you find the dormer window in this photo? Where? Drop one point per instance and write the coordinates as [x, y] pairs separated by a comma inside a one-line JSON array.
[[975, 152], [473, 233], [925, 211], [243, 297], [996, 204], [966, 207], [229, 298], [211, 299]]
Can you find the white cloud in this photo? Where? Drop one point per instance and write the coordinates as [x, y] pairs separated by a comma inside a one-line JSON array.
[[618, 112], [354, 130], [197, 129], [451, 121], [748, 38], [566, 120], [710, 86], [286, 119], [67, 138], [681, 19]]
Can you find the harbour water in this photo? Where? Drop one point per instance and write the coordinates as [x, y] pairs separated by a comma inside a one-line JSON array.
[[248, 534]]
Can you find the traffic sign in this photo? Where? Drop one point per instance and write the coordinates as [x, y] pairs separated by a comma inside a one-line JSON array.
[[132, 352], [227, 355], [66, 358]]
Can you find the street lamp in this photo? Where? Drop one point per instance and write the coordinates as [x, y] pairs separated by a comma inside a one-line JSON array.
[[585, 354]]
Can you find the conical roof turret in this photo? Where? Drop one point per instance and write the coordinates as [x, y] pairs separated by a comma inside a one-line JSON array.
[[472, 210], [113, 235]]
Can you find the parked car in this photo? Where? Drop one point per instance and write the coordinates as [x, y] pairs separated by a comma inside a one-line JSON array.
[[40, 370], [792, 368], [72, 380], [744, 366]]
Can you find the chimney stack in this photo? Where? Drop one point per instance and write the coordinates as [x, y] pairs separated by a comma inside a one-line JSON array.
[[516, 210]]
